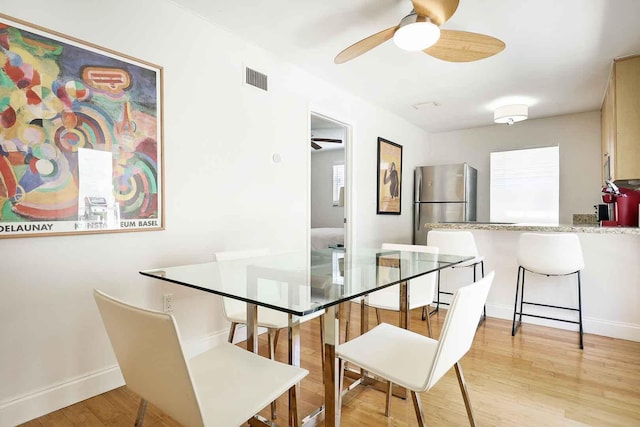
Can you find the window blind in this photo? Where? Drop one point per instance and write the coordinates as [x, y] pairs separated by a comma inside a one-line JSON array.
[[525, 186]]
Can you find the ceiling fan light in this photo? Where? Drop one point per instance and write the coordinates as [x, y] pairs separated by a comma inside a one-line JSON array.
[[416, 33], [511, 114]]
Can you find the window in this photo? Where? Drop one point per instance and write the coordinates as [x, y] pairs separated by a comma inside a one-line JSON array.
[[525, 186], [338, 185]]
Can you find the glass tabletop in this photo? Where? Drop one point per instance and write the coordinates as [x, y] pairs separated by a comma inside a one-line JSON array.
[[301, 283]]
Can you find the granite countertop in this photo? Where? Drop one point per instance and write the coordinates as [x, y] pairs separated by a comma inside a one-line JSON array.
[[581, 228]]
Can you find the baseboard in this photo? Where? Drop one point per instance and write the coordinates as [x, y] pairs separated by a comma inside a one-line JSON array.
[[44, 401], [606, 328], [41, 402]]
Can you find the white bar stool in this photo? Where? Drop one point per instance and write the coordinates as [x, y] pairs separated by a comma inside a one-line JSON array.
[[460, 243], [556, 254]]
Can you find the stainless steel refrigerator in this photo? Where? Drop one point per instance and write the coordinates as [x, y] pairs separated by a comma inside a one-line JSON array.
[[443, 193]]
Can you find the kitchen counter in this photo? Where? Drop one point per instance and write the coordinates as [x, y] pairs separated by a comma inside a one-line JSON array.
[[497, 226], [610, 279]]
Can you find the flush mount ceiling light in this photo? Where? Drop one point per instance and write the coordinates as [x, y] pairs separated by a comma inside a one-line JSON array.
[[416, 33], [511, 114]]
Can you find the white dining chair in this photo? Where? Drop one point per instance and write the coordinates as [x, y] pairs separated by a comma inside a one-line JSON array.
[[421, 289], [460, 243], [235, 311], [223, 386], [548, 254], [417, 362]]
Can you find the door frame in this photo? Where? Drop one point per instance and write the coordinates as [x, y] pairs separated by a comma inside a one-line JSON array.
[[348, 188]]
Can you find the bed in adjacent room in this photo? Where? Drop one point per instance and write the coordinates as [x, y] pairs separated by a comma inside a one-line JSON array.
[[322, 238]]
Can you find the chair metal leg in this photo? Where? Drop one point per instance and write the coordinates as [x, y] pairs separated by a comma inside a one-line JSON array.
[[347, 321], [418, 407], [232, 331], [272, 351], [520, 312], [484, 308], [387, 410], [580, 311], [437, 300], [364, 317], [275, 340], [424, 312], [521, 298], [142, 408], [514, 329], [465, 394], [438, 292], [428, 323]]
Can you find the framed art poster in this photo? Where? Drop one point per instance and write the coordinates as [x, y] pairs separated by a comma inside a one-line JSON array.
[[80, 136], [389, 177]]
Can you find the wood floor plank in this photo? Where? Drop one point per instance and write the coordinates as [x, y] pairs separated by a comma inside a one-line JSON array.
[[538, 378], [81, 415], [56, 419]]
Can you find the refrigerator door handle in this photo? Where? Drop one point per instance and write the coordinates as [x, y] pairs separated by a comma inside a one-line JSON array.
[[416, 216], [417, 185]]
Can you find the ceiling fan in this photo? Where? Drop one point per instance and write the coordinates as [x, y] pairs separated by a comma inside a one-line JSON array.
[[316, 146], [420, 30]]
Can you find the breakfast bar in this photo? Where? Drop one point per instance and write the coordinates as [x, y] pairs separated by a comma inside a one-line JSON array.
[[610, 280]]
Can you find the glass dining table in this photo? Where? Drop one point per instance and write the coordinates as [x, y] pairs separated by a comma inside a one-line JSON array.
[[301, 283]]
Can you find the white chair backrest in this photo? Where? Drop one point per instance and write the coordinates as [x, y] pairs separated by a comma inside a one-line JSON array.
[[459, 327], [424, 286], [231, 255], [231, 305], [147, 346], [453, 242], [552, 253]]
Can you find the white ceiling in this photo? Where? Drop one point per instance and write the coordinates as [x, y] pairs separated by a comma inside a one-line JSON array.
[[557, 57]]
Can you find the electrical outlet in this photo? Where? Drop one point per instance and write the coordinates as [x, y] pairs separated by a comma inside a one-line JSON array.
[[167, 303]]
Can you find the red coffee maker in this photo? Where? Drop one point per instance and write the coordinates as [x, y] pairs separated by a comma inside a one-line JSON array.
[[623, 206]]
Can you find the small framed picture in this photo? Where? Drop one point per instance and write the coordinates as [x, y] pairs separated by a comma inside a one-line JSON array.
[[389, 177]]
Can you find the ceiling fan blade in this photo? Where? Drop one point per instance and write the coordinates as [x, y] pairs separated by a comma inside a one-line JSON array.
[[438, 10], [462, 46], [315, 146], [338, 141], [364, 45]]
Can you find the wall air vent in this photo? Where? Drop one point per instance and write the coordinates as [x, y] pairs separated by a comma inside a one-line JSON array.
[[255, 78]]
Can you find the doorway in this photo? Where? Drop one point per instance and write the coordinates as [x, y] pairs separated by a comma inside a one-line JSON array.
[[328, 184]]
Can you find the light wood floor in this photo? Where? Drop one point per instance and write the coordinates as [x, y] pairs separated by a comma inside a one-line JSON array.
[[538, 378]]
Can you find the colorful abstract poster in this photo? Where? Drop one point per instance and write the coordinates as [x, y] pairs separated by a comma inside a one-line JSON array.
[[80, 136]]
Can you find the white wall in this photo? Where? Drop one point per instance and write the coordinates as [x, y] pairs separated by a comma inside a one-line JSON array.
[[578, 136], [222, 192], [323, 213]]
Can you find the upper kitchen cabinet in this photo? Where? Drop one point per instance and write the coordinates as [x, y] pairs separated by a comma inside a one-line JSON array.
[[621, 121]]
